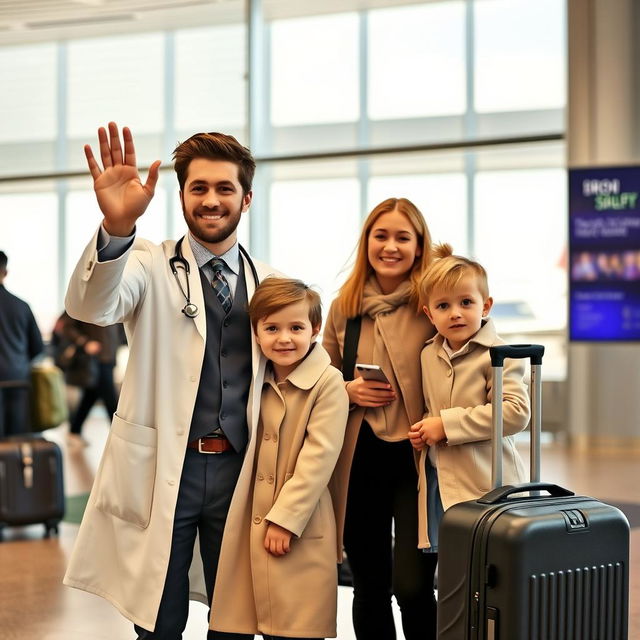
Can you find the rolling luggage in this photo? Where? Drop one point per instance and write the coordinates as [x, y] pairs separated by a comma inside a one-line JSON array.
[[533, 566], [31, 487]]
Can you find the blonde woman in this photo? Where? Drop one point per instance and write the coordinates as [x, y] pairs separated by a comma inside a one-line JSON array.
[[380, 296]]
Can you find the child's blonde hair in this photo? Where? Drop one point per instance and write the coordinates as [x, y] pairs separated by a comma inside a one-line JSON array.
[[273, 294], [447, 270], [349, 298]]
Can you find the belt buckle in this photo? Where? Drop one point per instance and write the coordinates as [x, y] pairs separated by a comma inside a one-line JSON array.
[[210, 453]]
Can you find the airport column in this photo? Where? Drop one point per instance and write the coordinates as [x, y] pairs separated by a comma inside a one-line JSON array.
[[603, 130]]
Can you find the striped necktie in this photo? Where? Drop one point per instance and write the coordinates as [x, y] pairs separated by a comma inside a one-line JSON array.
[[220, 284]]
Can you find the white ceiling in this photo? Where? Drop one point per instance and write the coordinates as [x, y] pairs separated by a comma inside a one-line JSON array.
[[25, 21]]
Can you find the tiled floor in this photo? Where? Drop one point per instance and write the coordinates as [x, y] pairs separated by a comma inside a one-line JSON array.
[[35, 605]]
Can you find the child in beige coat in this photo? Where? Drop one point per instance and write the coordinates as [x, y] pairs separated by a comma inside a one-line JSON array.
[[454, 437], [277, 576]]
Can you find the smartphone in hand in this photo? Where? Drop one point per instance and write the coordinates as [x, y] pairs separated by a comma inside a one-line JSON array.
[[372, 372]]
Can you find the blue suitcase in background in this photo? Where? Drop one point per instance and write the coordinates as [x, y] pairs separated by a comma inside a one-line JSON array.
[[532, 566]]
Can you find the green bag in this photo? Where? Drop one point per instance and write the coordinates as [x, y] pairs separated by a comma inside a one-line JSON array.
[[48, 397]]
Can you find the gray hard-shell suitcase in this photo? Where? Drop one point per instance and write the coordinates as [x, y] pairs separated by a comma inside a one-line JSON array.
[[31, 483], [532, 566]]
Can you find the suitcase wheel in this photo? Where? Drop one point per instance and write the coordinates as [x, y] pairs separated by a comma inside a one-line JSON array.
[[50, 527]]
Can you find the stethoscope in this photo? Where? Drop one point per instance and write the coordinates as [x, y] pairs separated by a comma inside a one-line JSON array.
[[178, 260]]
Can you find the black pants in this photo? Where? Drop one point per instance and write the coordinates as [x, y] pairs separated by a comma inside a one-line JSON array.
[[382, 492], [105, 390], [206, 487], [14, 411]]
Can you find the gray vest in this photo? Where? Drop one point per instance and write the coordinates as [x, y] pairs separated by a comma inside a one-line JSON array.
[[226, 368]]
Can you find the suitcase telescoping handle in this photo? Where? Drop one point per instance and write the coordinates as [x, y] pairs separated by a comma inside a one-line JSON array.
[[498, 354], [502, 493]]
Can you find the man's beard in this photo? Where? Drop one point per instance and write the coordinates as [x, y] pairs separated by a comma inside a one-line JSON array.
[[213, 236]]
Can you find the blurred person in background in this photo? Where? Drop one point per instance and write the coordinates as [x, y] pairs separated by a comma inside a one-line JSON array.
[[98, 347], [20, 343]]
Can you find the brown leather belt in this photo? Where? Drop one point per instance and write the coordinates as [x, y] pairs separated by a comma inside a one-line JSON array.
[[210, 444]]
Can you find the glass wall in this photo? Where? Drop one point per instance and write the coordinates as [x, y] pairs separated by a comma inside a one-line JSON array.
[[343, 104]]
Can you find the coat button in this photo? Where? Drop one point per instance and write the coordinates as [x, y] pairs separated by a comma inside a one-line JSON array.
[[257, 519], [275, 437], [171, 482], [260, 476], [267, 436], [448, 373], [270, 479], [192, 378]]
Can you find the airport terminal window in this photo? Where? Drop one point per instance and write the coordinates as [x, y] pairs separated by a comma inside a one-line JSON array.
[[28, 233], [28, 125], [210, 86], [116, 78], [519, 55], [28, 101], [313, 230], [521, 239], [314, 70], [359, 74], [416, 61]]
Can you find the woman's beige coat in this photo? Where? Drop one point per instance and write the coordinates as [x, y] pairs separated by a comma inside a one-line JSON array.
[[301, 429], [123, 545], [405, 332], [460, 392]]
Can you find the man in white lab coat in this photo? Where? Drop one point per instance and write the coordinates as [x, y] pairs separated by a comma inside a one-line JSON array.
[[186, 418]]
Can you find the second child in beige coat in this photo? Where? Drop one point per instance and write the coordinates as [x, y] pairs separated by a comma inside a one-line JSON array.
[[454, 437], [277, 574]]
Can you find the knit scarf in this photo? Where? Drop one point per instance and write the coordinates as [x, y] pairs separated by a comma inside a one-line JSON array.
[[388, 423], [374, 302]]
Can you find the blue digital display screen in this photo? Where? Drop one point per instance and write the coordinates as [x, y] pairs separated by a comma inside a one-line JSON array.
[[604, 254]]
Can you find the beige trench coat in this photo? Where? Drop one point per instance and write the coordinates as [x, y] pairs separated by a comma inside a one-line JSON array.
[[123, 545], [302, 424], [405, 333], [460, 392]]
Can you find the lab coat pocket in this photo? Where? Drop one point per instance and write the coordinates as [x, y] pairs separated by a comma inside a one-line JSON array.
[[128, 471]]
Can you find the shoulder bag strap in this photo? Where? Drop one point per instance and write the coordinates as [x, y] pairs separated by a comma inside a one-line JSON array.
[[351, 337]]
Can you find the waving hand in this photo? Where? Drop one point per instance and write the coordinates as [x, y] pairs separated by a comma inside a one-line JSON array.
[[122, 197]]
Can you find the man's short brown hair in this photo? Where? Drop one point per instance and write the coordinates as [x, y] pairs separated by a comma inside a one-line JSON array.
[[273, 294], [214, 146]]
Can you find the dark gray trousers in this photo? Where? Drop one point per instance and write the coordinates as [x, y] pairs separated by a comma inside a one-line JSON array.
[[14, 411], [206, 487]]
